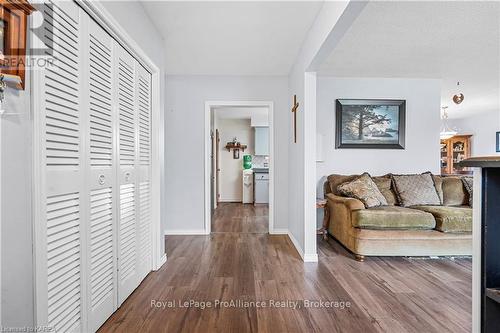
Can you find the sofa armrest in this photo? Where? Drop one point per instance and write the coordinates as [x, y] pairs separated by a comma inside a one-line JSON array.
[[340, 216], [349, 203]]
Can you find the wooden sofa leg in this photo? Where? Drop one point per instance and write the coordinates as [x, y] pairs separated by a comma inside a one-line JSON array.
[[359, 257]]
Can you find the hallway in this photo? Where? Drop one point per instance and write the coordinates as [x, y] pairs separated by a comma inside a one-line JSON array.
[[240, 218], [385, 294]]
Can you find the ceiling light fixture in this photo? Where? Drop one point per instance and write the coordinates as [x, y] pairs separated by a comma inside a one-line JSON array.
[[446, 131], [458, 97]]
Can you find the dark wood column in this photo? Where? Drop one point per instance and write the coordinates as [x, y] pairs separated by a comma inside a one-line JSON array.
[[490, 244]]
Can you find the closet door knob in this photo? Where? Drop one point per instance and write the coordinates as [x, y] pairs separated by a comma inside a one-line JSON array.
[[102, 179], [127, 176]]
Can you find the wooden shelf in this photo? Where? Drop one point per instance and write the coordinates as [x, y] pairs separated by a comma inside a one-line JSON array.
[[450, 153], [230, 146]]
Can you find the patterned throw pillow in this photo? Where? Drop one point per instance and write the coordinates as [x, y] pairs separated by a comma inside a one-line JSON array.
[[416, 190], [469, 186], [363, 189]]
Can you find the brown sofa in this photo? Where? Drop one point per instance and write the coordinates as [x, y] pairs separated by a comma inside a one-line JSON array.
[[392, 230]]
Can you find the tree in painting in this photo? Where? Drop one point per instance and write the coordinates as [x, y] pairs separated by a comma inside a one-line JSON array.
[[369, 123]]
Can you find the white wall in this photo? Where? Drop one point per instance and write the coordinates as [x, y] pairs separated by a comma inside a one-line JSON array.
[[483, 127], [184, 140], [231, 175], [422, 128], [16, 225], [332, 22]]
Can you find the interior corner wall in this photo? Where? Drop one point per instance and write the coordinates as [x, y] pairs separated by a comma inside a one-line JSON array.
[[423, 124], [296, 174], [185, 142], [483, 127], [333, 20], [231, 174], [145, 34]]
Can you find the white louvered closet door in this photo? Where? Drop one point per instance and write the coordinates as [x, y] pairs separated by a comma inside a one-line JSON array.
[[60, 291], [93, 226], [126, 101], [101, 175], [143, 91]]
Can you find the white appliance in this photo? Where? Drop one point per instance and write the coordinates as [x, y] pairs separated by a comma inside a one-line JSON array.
[[261, 188], [248, 186]]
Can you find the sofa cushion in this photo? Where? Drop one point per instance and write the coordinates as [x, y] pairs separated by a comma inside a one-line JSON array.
[[364, 189], [438, 183], [450, 219], [469, 186], [413, 190], [384, 184], [392, 217], [454, 193]]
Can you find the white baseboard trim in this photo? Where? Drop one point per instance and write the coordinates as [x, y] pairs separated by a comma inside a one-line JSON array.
[[163, 260], [188, 232], [237, 200], [312, 257], [279, 232], [295, 243], [306, 257]]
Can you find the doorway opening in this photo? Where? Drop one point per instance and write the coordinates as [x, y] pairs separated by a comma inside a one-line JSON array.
[[239, 170]]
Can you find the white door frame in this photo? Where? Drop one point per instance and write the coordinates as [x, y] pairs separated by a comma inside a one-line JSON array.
[[209, 105]]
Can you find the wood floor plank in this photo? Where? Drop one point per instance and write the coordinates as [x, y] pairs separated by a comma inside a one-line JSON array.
[[240, 262]]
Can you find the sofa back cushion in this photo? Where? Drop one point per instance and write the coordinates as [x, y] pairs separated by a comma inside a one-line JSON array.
[[438, 183], [384, 184], [451, 190], [454, 192], [413, 190]]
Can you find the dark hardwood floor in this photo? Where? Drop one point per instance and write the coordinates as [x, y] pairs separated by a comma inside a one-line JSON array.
[[385, 294], [244, 218]]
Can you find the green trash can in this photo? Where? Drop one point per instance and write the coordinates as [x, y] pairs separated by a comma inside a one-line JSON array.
[[247, 162]]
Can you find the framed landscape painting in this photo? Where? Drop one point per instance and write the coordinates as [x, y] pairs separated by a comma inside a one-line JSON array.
[[498, 142], [370, 123]]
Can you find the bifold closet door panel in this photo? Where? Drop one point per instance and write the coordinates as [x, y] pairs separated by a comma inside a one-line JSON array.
[[143, 91], [126, 102], [60, 288], [100, 174]]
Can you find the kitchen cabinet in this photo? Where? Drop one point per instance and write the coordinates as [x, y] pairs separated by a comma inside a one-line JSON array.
[[261, 141], [261, 186]]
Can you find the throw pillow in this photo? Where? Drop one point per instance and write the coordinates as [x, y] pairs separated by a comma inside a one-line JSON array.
[[416, 190], [363, 189], [469, 186]]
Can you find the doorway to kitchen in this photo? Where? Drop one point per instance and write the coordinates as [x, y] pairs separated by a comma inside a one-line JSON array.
[[239, 172]]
